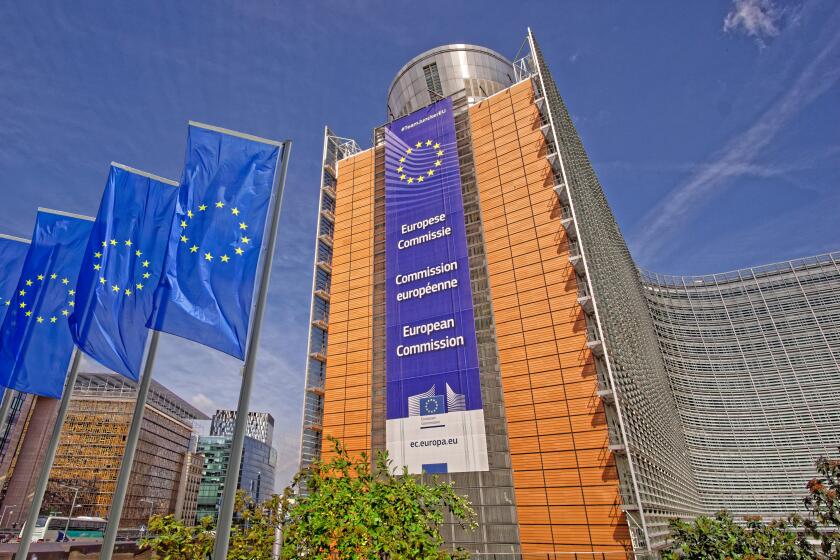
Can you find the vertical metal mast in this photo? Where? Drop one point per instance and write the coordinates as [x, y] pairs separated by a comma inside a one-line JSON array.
[[229, 496]]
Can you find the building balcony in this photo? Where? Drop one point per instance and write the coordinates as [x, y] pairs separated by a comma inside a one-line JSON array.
[[562, 193], [320, 355], [618, 448], [326, 239], [593, 342], [325, 266], [606, 394], [585, 301], [328, 214], [320, 322], [329, 167], [546, 130], [576, 260], [317, 390], [313, 427], [554, 160], [323, 294], [329, 191], [541, 105], [568, 222]]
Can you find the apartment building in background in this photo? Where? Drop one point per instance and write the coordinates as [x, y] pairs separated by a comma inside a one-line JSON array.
[[584, 402]]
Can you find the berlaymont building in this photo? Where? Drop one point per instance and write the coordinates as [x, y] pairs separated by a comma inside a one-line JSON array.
[[477, 313]]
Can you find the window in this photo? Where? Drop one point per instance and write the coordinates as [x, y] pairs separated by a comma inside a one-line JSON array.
[[430, 71]]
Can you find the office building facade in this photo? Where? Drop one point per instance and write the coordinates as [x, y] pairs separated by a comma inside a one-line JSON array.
[[91, 448], [589, 426], [257, 470]]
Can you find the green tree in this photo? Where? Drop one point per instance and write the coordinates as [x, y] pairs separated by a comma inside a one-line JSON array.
[[346, 509], [251, 537], [823, 503], [707, 538], [172, 540]]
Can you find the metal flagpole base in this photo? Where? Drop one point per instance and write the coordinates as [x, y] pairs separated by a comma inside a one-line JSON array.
[[49, 458]]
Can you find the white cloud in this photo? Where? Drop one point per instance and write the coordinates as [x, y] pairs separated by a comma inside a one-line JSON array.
[[739, 156], [203, 403], [757, 18]]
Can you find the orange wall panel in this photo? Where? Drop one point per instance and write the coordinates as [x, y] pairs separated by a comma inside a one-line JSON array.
[[558, 435], [347, 404]]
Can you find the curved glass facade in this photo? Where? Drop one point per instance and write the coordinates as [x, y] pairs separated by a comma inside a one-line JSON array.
[[752, 356]]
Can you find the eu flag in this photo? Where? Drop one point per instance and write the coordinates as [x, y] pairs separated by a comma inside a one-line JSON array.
[[35, 343], [121, 268], [210, 269], [12, 252]]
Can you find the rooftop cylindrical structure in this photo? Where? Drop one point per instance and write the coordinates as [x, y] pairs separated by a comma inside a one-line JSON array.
[[444, 71]]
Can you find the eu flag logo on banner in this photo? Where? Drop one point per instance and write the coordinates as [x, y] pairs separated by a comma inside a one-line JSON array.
[[35, 343], [207, 286], [121, 268], [12, 252]]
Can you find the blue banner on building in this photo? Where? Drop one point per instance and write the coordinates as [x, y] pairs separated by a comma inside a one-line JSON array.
[[435, 420]]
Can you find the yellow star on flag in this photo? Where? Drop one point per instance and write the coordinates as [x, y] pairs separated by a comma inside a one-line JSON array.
[[115, 289], [22, 292], [71, 292], [234, 211], [104, 243], [53, 276], [246, 239], [97, 255], [23, 305], [127, 292], [97, 266], [146, 275], [65, 312], [399, 169], [243, 225], [220, 204], [225, 258], [184, 239], [29, 314], [40, 319], [128, 242], [402, 159], [238, 251], [145, 264], [420, 179], [65, 281], [113, 243], [41, 277], [208, 257], [139, 286], [436, 146], [410, 180], [428, 142], [440, 152], [402, 177], [138, 252], [430, 172], [437, 163], [71, 303], [418, 144], [202, 208], [101, 280], [189, 214], [53, 319], [194, 249], [29, 282], [408, 151], [183, 223]]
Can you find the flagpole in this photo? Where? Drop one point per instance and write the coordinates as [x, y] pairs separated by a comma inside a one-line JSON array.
[[232, 478], [49, 458], [118, 500]]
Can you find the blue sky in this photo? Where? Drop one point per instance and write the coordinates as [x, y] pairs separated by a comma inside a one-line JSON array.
[[713, 125]]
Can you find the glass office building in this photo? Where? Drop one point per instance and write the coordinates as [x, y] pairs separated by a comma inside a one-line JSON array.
[[257, 470], [596, 379]]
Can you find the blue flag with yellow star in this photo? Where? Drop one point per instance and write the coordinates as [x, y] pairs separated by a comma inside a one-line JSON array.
[[35, 343], [121, 268], [209, 273], [12, 252]]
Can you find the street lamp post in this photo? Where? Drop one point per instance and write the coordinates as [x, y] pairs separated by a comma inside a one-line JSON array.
[[3, 516], [72, 507]]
